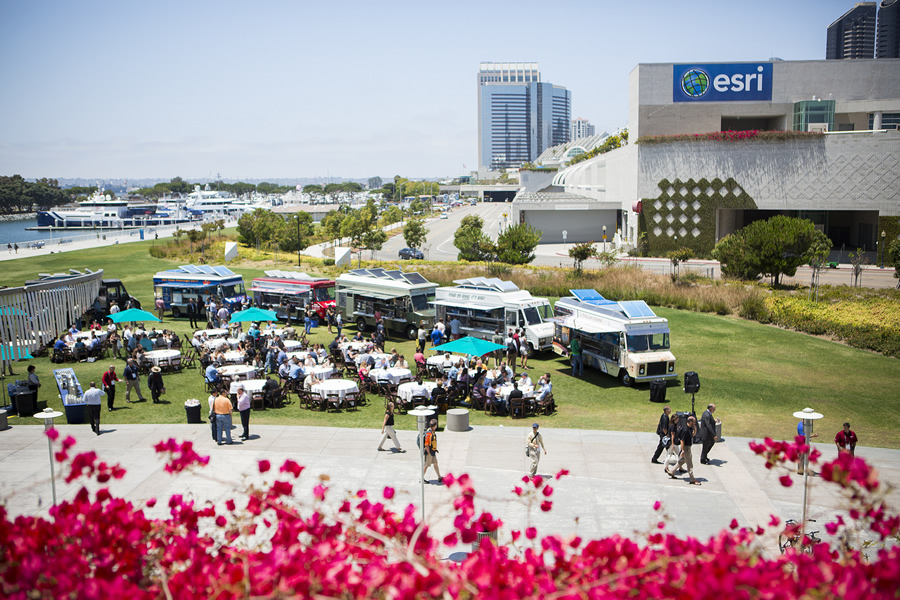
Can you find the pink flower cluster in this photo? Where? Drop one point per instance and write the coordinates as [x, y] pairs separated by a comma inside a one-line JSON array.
[[272, 542], [182, 456]]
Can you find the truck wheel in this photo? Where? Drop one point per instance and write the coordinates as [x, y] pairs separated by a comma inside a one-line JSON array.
[[412, 332], [175, 312], [625, 378], [361, 325]]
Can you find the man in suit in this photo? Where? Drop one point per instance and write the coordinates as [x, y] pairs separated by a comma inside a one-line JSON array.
[[707, 432], [662, 430], [192, 313]]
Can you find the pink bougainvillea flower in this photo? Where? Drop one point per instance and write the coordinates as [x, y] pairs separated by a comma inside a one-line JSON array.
[[264, 465], [388, 493]]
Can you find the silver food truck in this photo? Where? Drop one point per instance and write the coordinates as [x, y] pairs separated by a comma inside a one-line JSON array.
[[623, 339], [484, 305], [402, 300]]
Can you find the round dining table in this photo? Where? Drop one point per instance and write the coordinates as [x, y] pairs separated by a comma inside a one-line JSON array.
[[439, 360], [393, 375], [154, 356], [291, 345], [215, 343], [211, 333], [375, 355], [250, 385], [237, 371], [341, 387], [301, 355], [405, 390], [233, 357]]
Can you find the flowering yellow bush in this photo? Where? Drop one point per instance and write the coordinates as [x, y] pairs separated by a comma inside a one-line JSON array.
[[870, 323]]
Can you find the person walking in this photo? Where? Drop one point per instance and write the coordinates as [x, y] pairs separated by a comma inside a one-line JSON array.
[[686, 439], [707, 432], [673, 447], [533, 448], [431, 451], [92, 398], [108, 381], [155, 384], [422, 336], [133, 380], [387, 429], [243, 406], [577, 359], [845, 440], [662, 430], [222, 408], [160, 308]]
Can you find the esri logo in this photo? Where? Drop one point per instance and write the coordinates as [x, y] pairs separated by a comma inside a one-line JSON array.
[[694, 83]]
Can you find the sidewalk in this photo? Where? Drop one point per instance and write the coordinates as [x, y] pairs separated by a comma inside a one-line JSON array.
[[610, 489]]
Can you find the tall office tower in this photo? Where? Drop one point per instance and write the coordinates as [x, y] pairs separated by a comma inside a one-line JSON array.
[[581, 128], [853, 35], [887, 43], [518, 115]]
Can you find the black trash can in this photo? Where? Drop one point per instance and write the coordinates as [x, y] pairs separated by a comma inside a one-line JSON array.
[[658, 390], [193, 413]]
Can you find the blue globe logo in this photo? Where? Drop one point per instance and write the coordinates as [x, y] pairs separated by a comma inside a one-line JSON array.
[[694, 83]]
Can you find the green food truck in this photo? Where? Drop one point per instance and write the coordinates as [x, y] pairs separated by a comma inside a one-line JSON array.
[[401, 299]]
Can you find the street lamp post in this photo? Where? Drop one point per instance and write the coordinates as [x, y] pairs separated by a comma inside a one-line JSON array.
[[883, 234], [47, 416], [808, 416], [604, 238], [421, 416], [298, 239]]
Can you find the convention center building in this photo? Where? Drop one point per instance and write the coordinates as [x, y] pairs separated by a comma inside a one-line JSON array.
[[715, 146]]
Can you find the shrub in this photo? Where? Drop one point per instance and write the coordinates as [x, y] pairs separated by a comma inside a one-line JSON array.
[[328, 262], [753, 307]]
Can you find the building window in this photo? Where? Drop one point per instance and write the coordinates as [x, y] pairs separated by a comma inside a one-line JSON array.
[[813, 112], [888, 120]]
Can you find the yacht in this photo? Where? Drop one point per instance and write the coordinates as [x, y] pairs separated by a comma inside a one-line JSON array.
[[101, 211]]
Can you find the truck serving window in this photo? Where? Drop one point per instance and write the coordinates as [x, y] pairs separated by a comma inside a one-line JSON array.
[[648, 343]]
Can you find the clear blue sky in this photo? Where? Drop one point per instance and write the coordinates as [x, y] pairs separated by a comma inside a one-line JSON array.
[[272, 89]]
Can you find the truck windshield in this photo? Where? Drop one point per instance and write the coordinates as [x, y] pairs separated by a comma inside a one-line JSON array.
[[648, 343], [420, 301], [324, 294], [232, 290], [532, 316]]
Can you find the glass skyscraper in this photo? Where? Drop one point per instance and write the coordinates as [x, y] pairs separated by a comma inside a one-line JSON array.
[[518, 115], [853, 34]]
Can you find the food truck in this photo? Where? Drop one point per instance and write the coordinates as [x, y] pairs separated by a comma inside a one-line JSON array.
[[623, 339], [484, 305], [199, 282], [284, 291], [402, 300]]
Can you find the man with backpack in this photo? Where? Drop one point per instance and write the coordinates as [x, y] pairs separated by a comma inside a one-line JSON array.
[[430, 449]]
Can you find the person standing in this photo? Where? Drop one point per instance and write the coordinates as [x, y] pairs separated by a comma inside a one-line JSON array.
[[577, 359], [155, 383], [534, 447], [455, 328], [686, 440], [92, 398], [243, 406], [662, 430], [707, 432], [222, 408], [160, 308], [673, 448], [497, 338], [132, 380], [307, 320], [845, 440], [387, 429], [223, 315], [338, 322], [33, 382], [422, 336], [108, 381], [192, 313], [212, 414], [431, 451]]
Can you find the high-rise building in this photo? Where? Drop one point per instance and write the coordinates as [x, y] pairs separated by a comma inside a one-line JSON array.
[[888, 39], [518, 115], [580, 128], [853, 34]]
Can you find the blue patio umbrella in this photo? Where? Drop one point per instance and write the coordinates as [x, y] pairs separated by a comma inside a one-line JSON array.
[[10, 311], [469, 345], [14, 353], [253, 314], [131, 315]]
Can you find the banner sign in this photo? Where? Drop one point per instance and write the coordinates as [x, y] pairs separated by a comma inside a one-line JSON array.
[[741, 82]]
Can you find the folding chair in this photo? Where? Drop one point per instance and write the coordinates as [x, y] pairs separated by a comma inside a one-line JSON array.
[[350, 400], [517, 408], [258, 401], [333, 399]]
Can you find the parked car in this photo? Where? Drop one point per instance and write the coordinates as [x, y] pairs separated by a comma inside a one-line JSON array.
[[412, 253], [444, 216]]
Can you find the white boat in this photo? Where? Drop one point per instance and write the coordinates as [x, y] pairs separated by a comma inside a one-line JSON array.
[[101, 211]]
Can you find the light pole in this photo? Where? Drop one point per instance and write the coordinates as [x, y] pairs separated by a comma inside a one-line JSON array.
[[421, 415], [604, 238], [298, 239], [47, 416], [882, 248], [808, 415]]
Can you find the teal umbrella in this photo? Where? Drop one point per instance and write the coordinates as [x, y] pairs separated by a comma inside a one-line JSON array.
[[253, 314], [9, 311], [14, 353], [131, 315], [468, 345]]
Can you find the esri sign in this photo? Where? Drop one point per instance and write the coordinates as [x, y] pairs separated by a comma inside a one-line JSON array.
[[740, 82]]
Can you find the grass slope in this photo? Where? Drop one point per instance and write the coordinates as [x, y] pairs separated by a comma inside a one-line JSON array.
[[757, 375]]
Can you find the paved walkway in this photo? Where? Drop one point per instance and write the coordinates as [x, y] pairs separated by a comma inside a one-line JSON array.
[[610, 489]]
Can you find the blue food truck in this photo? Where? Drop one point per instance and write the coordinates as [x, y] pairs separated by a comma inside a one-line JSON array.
[[199, 282]]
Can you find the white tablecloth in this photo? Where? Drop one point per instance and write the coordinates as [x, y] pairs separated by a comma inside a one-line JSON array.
[[156, 355], [375, 355], [300, 354], [504, 392], [237, 371], [322, 372], [405, 390], [233, 342], [393, 375], [358, 346], [212, 333], [291, 345], [250, 385], [86, 335], [233, 357], [215, 344], [335, 386], [438, 360]]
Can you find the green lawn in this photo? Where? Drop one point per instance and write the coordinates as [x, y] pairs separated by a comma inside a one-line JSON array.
[[757, 375]]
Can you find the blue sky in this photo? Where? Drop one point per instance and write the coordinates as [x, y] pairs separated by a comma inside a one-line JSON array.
[[274, 89]]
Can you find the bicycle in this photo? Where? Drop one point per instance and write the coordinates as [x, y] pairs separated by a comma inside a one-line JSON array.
[[790, 537]]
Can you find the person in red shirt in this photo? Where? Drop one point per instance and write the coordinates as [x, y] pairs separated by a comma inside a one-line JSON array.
[[108, 381], [845, 440]]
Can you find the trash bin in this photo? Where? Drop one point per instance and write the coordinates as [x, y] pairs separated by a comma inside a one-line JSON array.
[[192, 408], [24, 400], [658, 390], [719, 431]]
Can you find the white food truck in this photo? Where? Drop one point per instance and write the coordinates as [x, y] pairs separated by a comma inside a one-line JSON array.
[[484, 305], [401, 299], [623, 339]]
